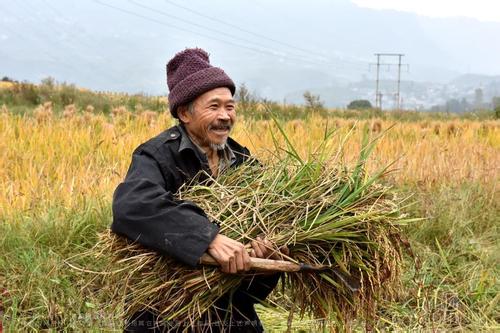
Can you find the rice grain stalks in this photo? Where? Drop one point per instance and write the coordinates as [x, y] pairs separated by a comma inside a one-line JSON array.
[[325, 213]]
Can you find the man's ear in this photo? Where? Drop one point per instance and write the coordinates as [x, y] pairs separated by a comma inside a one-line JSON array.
[[184, 114]]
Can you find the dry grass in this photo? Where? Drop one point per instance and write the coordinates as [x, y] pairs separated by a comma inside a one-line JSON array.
[[5, 85], [57, 176], [64, 160], [323, 211]]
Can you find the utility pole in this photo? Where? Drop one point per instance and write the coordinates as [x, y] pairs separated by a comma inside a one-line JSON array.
[[378, 94], [377, 97], [398, 100]]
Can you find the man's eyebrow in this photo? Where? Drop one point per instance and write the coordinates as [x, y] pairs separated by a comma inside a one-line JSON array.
[[216, 99]]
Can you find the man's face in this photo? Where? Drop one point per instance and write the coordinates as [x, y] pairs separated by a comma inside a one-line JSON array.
[[211, 119]]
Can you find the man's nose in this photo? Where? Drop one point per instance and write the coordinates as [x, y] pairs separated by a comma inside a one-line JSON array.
[[223, 114]]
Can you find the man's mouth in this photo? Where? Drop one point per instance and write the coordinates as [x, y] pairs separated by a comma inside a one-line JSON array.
[[220, 128]]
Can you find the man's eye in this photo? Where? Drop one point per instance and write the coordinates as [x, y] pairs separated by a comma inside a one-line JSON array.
[[230, 107]]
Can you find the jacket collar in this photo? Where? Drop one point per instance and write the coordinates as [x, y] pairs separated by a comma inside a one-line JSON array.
[[227, 156], [186, 142]]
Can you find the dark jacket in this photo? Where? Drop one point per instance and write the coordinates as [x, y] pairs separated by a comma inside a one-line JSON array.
[[145, 209]]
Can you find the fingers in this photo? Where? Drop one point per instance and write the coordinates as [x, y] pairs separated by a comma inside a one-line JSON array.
[[278, 255], [257, 249], [267, 248], [242, 259], [262, 248], [233, 256], [221, 259], [230, 254], [227, 262], [232, 265], [246, 260]]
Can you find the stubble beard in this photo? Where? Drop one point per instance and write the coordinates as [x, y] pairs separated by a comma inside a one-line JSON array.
[[221, 146], [218, 146]]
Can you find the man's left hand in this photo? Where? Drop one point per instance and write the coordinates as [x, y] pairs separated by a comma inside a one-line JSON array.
[[263, 248]]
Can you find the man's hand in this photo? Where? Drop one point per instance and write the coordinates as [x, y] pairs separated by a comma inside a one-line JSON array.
[[262, 248], [230, 254]]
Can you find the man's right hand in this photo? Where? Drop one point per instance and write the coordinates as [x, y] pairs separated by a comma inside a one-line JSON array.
[[230, 254]]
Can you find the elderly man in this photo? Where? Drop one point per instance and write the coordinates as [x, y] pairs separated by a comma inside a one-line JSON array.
[[145, 209]]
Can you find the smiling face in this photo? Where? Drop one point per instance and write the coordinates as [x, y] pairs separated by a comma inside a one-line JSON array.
[[211, 118]]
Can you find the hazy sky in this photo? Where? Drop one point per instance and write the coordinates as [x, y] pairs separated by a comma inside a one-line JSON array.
[[484, 10], [279, 48]]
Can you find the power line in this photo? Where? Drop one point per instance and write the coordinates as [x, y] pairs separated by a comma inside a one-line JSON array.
[[309, 52], [179, 28], [57, 29], [50, 56], [157, 11], [49, 5], [262, 51], [70, 44], [55, 59], [357, 62], [47, 37], [244, 30]]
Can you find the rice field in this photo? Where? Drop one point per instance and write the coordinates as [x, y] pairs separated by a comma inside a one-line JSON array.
[[58, 173]]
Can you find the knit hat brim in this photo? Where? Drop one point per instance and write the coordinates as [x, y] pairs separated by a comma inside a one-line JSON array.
[[197, 84]]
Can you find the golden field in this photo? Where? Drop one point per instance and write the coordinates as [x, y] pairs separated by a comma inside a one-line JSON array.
[[5, 85], [61, 160], [58, 171]]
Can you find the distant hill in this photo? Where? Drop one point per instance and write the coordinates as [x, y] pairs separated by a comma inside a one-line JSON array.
[[476, 80], [414, 94], [125, 48]]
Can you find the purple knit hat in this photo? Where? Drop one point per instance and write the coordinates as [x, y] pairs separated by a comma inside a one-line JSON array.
[[189, 74]]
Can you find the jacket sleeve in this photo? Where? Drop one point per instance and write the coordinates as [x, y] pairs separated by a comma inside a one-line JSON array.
[[145, 211]]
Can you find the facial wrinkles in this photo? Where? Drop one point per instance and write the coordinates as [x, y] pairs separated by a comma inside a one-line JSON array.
[[207, 120], [215, 123], [206, 124]]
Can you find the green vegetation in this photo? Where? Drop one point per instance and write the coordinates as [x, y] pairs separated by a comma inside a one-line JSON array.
[[359, 104], [313, 102], [22, 96], [325, 212], [455, 288], [58, 173]]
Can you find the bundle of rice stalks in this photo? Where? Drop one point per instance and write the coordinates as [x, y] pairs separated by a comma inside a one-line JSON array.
[[323, 211]]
